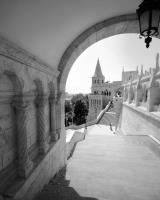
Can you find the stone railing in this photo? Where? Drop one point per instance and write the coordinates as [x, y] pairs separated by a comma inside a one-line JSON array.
[[92, 122], [145, 91]]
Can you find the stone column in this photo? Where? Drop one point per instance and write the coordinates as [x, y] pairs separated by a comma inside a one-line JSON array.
[[53, 133], [60, 99], [125, 94], [137, 97], [153, 98], [25, 165], [41, 102], [130, 94]]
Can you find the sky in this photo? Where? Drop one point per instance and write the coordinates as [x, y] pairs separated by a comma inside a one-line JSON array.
[[114, 53]]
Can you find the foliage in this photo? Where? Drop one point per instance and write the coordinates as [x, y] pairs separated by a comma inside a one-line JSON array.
[[81, 105], [81, 97], [80, 112], [76, 111], [68, 106]]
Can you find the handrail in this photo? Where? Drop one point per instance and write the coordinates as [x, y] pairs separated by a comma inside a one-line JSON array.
[[103, 111], [96, 121]]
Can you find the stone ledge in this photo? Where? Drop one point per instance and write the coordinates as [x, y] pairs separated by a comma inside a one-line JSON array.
[[147, 115], [19, 188], [12, 51], [77, 137]]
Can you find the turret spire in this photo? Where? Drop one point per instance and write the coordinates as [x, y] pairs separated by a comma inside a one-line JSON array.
[[141, 70], [157, 62], [98, 71]]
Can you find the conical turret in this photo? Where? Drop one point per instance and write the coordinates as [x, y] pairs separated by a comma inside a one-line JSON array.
[[97, 80], [98, 71]]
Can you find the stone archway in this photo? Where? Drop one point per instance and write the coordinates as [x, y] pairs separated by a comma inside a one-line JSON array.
[[109, 27], [113, 26]]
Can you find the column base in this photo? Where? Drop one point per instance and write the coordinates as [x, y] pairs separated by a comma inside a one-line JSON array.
[[54, 137], [43, 149], [58, 133], [25, 171]]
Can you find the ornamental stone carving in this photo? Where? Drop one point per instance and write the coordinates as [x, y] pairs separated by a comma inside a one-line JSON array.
[[7, 48], [41, 102], [25, 165], [53, 133]]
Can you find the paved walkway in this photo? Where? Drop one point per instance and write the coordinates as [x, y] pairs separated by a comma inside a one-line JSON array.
[[108, 167]]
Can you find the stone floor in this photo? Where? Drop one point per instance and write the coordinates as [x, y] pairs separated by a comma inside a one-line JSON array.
[[108, 167]]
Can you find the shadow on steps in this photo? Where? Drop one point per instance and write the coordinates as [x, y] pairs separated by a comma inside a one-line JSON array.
[[71, 145], [59, 189]]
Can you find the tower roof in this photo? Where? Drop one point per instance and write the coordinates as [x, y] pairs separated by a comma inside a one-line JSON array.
[[98, 71]]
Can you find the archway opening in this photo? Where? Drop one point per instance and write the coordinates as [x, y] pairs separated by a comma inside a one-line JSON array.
[[116, 55], [105, 29]]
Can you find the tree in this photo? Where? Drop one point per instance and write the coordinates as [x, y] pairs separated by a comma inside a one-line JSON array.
[[76, 97], [80, 112], [68, 107], [81, 97]]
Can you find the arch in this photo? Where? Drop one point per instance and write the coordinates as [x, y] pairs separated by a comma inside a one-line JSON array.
[[127, 23], [16, 81], [117, 25], [39, 87], [11, 86], [51, 88]]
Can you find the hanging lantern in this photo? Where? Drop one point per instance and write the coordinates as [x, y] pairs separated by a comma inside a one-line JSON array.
[[149, 19]]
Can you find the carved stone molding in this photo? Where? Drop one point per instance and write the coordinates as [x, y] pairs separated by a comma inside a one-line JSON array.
[[12, 51], [27, 98], [41, 102], [60, 96], [52, 99]]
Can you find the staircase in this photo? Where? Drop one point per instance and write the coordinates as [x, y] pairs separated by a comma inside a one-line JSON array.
[[108, 118], [109, 167]]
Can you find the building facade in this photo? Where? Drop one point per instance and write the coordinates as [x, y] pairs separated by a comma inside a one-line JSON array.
[[102, 92]]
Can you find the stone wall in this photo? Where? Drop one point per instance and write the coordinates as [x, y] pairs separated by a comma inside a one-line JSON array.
[[145, 89], [30, 120], [137, 121], [141, 108]]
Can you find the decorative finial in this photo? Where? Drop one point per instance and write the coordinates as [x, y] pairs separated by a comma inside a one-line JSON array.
[[157, 62], [141, 70], [137, 70]]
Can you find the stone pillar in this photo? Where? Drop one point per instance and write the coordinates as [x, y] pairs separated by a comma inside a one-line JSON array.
[[25, 165], [129, 94], [125, 91], [60, 99], [52, 103], [118, 102], [41, 102], [153, 98], [137, 96]]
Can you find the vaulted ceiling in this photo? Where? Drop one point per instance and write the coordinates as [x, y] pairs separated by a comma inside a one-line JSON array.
[[47, 27]]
